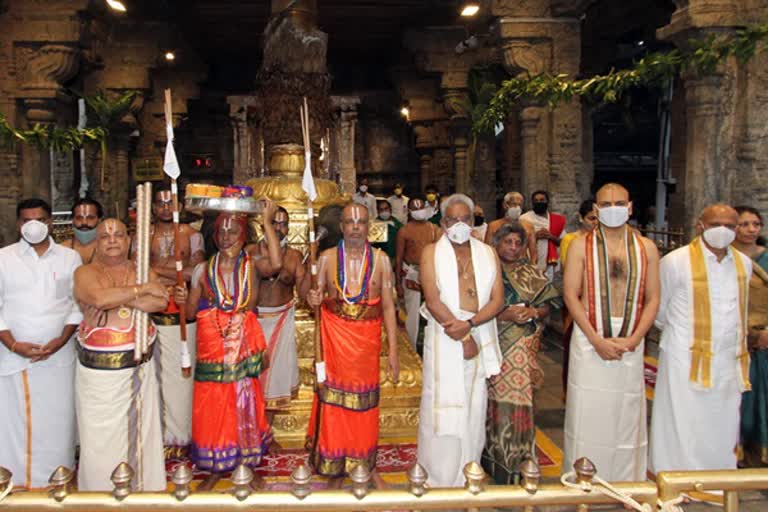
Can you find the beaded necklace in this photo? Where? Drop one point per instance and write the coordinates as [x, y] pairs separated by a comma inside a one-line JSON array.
[[341, 273]]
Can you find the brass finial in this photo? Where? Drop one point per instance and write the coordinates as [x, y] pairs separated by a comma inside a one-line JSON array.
[[61, 480], [531, 475], [475, 478], [242, 477], [360, 477], [417, 477], [300, 478], [181, 478], [121, 479], [5, 479], [585, 470]]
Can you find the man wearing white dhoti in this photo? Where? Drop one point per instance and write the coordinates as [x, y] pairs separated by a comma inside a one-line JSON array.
[[703, 361], [411, 241], [37, 319], [461, 280], [611, 287], [117, 398]]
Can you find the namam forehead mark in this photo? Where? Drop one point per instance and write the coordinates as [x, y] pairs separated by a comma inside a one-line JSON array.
[[164, 196], [281, 216], [356, 212], [227, 224], [111, 227], [82, 210]]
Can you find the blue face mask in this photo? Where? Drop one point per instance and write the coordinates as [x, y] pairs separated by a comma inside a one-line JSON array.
[[85, 236]]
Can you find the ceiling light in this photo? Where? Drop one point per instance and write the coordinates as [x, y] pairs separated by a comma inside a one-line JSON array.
[[640, 43], [170, 56], [405, 112], [470, 9], [117, 5]]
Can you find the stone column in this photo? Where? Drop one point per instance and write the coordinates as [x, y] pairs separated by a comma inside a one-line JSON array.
[[455, 100], [425, 167], [531, 176], [247, 151], [347, 123], [36, 176]]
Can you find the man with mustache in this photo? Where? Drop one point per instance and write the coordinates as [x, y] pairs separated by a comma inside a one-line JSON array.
[[86, 215]]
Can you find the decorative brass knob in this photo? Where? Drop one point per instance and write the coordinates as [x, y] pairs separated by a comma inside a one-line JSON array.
[[61, 480], [5, 479], [242, 477], [417, 477], [300, 480], [531, 475], [121, 479], [360, 477], [585, 470], [475, 478], [181, 479]]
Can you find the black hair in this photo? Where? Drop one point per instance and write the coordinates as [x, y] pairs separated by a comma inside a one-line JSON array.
[[430, 187], [542, 192], [382, 202], [507, 229], [281, 209], [748, 209], [586, 207], [88, 200], [33, 202]]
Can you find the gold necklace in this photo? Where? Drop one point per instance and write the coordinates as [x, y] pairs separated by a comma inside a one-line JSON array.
[[465, 275], [123, 312]]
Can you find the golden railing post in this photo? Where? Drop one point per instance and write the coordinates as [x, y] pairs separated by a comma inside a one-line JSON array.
[[360, 477], [242, 477], [531, 477], [417, 478], [731, 501], [181, 479], [585, 471], [61, 480], [301, 478], [475, 480], [121, 479], [5, 480]]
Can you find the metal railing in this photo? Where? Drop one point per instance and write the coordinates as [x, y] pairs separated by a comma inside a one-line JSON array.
[[581, 489]]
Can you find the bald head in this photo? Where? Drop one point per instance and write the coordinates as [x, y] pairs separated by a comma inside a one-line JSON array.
[[112, 241], [110, 226], [716, 211], [611, 190]]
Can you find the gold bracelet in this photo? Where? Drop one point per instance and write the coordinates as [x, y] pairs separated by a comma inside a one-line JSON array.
[[466, 338], [135, 293]]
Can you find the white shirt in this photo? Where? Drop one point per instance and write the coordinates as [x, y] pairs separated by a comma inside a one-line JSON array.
[[675, 311], [36, 301], [542, 245], [399, 207], [368, 201]]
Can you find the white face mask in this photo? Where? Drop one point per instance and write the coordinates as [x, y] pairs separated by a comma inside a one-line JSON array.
[[613, 216], [719, 237], [363, 188], [459, 233], [34, 231], [422, 214], [385, 215], [513, 212]]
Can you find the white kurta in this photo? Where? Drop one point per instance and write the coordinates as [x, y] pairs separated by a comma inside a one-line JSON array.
[[399, 207], [454, 395], [38, 425], [175, 389], [280, 381], [368, 201], [412, 300], [692, 427], [605, 418], [542, 245]]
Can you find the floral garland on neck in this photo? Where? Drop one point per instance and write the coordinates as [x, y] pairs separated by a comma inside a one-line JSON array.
[[366, 271], [241, 279]]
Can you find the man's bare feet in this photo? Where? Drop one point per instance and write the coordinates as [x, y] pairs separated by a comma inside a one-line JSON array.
[[378, 481], [209, 482]]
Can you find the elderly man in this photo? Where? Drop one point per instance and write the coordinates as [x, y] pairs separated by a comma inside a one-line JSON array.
[[461, 280], [611, 287], [277, 316], [354, 289], [175, 388], [703, 362], [549, 228], [411, 240], [513, 208], [86, 214], [37, 318], [117, 397]]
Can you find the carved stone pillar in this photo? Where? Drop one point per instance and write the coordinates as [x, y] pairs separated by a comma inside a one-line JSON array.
[[243, 171], [425, 167], [511, 171], [346, 141], [531, 176]]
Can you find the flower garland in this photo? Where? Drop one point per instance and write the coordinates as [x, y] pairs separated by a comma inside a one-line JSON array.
[[241, 278], [366, 271]]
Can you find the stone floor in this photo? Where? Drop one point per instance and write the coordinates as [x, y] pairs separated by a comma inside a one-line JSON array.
[[550, 417]]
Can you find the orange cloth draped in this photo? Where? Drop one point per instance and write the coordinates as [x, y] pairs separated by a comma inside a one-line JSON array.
[[556, 227], [229, 421], [348, 406]]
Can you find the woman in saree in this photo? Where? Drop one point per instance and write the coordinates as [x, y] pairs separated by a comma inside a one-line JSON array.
[[529, 298], [754, 404]]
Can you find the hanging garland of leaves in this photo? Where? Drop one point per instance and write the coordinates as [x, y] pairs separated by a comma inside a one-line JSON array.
[[652, 70]]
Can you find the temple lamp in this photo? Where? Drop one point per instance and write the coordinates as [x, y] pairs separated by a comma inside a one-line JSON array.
[[116, 5], [470, 9]]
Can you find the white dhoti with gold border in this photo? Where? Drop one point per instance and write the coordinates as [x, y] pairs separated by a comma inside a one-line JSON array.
[[280, 381], [605, 417], [412, 300]]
